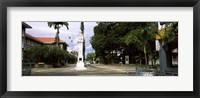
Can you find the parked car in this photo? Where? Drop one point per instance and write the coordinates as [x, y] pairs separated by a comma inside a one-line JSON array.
[[91, 62], [87, 63]]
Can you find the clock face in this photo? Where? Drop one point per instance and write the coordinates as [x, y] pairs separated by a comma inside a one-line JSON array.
[[80, 37]]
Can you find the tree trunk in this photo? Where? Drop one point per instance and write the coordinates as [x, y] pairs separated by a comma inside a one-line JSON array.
[[145, 55], [57, 36], [83, 49], [58, 62]]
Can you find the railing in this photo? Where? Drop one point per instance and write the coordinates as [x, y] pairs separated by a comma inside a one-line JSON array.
[[144, 71], [26, 68], [147, 71]]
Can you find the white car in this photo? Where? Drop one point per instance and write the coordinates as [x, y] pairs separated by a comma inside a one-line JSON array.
[[87, 62]]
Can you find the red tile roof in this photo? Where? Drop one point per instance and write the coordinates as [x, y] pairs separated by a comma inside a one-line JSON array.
[[48, 39], [43, 39], [32, 37]]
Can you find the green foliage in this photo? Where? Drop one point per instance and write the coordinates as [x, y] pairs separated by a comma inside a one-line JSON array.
[[105, 40], [90, 56], [143, 37], [55, 54], [136, 38], [71, 58], [36, 53], [56, 25], [170, 33], [48, 54], [115, 36]]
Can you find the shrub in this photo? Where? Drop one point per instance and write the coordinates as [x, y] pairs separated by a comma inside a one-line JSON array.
[[49, 54]]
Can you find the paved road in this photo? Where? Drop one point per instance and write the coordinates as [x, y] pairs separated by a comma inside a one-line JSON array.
[[92, 70]]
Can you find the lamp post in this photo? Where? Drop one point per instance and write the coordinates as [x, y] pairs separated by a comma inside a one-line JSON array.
[[122, 55]]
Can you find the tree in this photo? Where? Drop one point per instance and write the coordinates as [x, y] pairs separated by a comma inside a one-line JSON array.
[[49, 54], [90, 56], [142, 37], [107, 40], [169, 40], [57, 55], [170, 33], [136, 38], [37, 53], [82, 31], [56, 26], [110, 38], [71, 58], [82, 27]]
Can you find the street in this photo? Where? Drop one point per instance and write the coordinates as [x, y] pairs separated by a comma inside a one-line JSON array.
[[92, 70]]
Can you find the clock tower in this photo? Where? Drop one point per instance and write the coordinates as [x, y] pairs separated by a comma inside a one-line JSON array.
[[80, 63]]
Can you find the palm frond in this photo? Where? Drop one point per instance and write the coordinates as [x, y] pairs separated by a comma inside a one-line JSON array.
[[50, 24], [56, 24], [66, 24]]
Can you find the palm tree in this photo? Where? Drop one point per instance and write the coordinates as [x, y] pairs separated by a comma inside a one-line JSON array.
[[142, 37], [82, 30], [57, 26]]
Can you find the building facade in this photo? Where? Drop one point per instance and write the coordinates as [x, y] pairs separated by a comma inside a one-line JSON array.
[[30, 41]]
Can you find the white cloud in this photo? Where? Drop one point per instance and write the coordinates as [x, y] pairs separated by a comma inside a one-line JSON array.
[[88, 47], [75, 48]]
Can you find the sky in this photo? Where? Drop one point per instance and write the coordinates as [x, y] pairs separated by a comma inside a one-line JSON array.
[[41, 29]]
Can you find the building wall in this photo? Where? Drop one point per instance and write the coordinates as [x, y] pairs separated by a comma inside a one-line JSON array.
[[61, 45]]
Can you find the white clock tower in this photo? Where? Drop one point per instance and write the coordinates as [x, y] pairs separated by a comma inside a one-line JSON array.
[[80, 63]]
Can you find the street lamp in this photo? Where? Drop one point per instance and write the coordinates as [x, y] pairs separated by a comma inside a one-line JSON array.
[[122, 55]]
